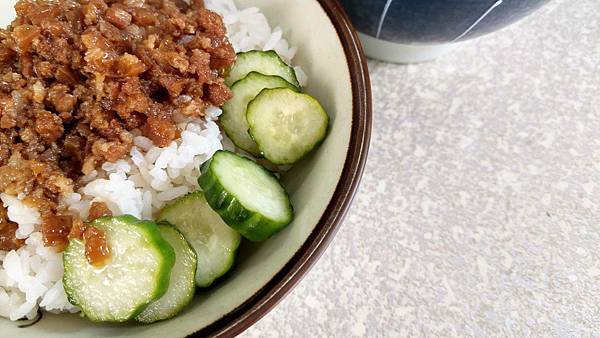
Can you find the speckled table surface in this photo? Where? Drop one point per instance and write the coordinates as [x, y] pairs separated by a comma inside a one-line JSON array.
[[479, 210]]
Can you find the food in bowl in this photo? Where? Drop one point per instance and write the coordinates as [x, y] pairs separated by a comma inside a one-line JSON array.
[[118, 196]]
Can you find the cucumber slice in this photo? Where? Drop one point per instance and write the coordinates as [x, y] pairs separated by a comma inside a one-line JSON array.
[[286, 125], [245, 90], [137, 273], [248, 197], [182, 286], [214, 242], [268, 63]]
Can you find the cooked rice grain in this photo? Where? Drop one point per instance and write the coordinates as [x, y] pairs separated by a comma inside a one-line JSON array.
[[139, 185]]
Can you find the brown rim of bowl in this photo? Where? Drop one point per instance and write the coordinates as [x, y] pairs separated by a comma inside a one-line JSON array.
[[284, 281]]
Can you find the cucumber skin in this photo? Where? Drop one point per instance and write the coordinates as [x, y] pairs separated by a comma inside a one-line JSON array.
[[285, 84], [164, 272], [259, 142], [181, 307], [270, 53], [233, 257], [252, 225]]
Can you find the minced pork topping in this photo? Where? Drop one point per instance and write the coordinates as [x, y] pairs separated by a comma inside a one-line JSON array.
[[77, 76]]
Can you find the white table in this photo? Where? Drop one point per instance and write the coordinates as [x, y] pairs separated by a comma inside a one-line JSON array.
[[478, 214]]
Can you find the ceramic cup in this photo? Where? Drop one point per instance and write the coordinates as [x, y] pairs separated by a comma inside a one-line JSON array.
[[407, 31]]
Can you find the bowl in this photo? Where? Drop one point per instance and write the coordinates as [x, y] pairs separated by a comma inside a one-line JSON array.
[[420, 30], [321, 187]]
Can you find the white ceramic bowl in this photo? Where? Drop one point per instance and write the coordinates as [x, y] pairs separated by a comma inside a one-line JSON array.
[[321, 187]]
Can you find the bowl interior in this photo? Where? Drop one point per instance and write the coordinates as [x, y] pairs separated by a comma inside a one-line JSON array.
[[311, 184]]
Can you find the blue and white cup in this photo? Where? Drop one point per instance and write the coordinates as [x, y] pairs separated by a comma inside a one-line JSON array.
[[407, 31]]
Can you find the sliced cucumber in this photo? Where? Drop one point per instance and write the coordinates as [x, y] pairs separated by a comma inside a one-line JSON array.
[[245, 90], [214, 242], [267, 63], [248, 197], [137, 273], [286, 125], [182, 285]]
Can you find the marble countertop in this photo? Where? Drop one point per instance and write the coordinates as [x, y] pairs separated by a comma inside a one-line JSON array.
[[479, 210]]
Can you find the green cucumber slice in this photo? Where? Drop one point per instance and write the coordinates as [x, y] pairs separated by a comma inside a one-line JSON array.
[[182, 285], [286, 125], [214, 242], [137, 273], [248, 197], [264, 62], [245, 90]]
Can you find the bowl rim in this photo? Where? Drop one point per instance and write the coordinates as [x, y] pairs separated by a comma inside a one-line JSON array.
[[244, 316]]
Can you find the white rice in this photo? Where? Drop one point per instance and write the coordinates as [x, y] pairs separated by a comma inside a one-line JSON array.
[[248, 29], [139, 185], [30, 276]]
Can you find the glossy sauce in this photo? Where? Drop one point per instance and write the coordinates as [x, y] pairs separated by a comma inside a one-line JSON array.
[[77, 77], [97, 210], [56, 230], [97, 250]]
